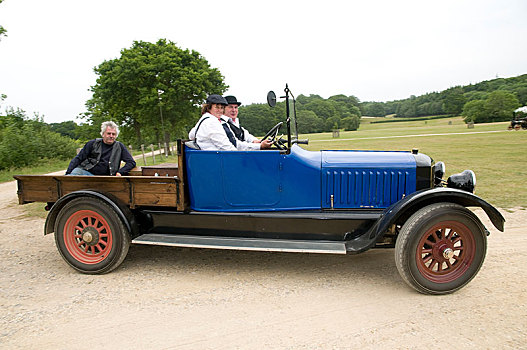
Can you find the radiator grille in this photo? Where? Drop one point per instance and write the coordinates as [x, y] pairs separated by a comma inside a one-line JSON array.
[[365, 188]]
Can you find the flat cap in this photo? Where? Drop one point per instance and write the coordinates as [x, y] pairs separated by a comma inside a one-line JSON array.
[[217, 99]]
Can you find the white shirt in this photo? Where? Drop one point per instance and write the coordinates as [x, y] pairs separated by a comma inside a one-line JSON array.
[[247, 135], [212, 136]]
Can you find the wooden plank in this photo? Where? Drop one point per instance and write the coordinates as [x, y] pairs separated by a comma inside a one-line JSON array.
[[36, 188], [107, 186], [155, 199], [39, 184], [164, 169], [183, 201], [155, 187], [37, 196], [135, 171], [132, 190]]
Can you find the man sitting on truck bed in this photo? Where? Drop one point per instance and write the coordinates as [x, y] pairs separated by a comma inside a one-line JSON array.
[[102, 156]]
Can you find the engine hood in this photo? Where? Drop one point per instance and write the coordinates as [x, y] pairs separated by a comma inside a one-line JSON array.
[[366, 179], [368, 159]]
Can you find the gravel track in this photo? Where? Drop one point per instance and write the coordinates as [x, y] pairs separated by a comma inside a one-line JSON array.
[[179, 298]]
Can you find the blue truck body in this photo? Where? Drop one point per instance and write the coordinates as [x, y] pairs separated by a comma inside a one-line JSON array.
[[230, 181]]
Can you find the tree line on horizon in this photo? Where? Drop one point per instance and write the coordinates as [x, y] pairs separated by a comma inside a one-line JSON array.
[[487, 101], [154, 91]]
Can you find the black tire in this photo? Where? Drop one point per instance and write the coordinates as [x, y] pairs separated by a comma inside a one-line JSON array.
[[440, 248], [90, 236]]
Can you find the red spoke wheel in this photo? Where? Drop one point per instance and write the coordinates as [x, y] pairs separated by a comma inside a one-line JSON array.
[[445, 252], [440, 248], [90, 236]]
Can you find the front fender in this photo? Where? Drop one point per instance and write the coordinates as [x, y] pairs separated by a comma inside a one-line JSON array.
[[410, 204], [122, 210]]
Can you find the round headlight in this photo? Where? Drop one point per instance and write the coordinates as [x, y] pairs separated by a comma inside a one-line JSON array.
[[439, 172], [465, 181]]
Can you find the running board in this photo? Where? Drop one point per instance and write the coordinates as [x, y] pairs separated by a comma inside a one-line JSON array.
[[261, 244]]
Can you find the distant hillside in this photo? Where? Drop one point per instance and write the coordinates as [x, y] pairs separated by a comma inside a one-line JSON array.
[[450, 101]]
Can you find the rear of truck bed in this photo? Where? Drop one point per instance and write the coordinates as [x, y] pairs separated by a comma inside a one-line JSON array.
[[160, 185]]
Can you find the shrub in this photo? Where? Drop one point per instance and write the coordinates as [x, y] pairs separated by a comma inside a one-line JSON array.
[[27, 144]]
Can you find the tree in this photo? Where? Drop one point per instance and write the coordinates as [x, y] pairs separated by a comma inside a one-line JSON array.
[[151, 88], [345, 100], [308, 122], [476, 95], [351, 123], [332, 123], [454, 100], [322, 108], [500, 105], [521, 93], [25, 142], [373, 109], [68, 128], [258, 118], [473, 110], [407, 108]]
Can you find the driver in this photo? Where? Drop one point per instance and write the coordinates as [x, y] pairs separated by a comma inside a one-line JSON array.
[[231, 111], [213, 133]]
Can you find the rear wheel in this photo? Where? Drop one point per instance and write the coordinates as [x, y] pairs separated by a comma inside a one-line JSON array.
[[440, 248], [90, 236]]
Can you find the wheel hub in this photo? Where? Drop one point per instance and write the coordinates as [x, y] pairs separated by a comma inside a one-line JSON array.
[[443, 250], [448, 253], [90, 236]]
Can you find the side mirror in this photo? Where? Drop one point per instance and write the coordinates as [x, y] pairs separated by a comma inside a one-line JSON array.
[[271, 99]]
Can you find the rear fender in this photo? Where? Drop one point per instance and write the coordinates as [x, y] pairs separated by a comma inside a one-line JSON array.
[[410, 204], [124, 213]]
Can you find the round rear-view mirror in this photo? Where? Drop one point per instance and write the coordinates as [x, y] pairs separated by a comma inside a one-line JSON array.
[[271, 98]]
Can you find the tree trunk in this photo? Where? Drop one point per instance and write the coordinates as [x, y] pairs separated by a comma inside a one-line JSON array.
[[137, 128]]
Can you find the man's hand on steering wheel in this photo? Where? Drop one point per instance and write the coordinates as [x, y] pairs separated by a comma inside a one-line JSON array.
[[271, 138], [266, 144]]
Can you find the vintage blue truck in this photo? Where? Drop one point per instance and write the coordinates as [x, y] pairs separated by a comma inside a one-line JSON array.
[[287, 199]]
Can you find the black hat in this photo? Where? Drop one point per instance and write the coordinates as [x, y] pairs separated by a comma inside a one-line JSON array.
[[232, 100], [216, 99]]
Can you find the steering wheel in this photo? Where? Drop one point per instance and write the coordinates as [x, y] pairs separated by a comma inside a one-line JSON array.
[[271, 134], [280, 143]]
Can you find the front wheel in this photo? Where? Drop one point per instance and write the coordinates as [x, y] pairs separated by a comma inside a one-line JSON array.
[[90, 236], [440, 248]]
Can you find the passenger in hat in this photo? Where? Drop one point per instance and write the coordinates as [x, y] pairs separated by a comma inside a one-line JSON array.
[[231, 111], [213, 133]]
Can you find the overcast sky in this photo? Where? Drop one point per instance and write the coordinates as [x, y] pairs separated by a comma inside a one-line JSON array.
[[376, 50]]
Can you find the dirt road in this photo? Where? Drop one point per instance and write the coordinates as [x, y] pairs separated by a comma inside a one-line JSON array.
[[176, 298]]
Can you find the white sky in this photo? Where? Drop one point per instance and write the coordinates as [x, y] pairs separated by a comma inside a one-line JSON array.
[[376, 50]]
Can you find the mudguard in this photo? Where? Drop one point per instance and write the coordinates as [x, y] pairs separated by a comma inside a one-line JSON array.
[[404, 208], [120, 209], [417, 200]]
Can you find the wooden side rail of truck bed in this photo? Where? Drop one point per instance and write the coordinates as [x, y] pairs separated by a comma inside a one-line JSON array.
[[160, 185], [133, 191]]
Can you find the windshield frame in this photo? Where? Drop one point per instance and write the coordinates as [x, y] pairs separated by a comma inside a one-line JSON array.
[[292, 126]]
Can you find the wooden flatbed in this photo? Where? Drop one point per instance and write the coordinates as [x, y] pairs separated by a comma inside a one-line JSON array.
[[152, 186]]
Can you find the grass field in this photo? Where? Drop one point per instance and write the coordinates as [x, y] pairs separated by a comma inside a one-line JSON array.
[[496, 155]]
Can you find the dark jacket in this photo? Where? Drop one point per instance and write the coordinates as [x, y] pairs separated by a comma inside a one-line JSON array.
[[101, 159]]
